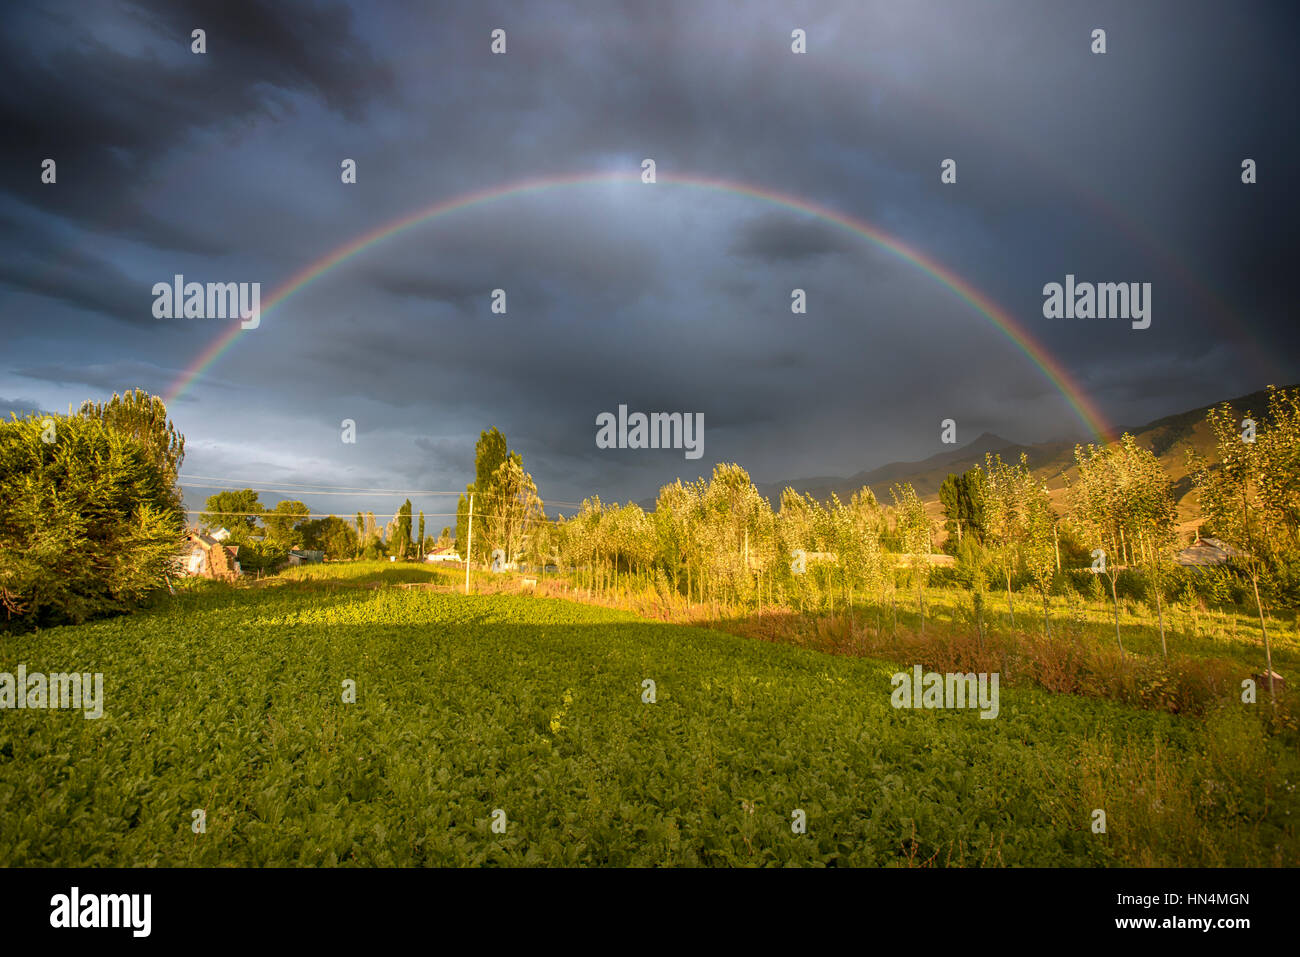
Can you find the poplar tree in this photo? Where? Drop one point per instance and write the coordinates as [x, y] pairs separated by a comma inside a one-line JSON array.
[[1251, 499], [1006, 525], [914, 532], [1123, 505]]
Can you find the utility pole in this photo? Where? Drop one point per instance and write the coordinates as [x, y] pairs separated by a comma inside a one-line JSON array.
[[469, 545]]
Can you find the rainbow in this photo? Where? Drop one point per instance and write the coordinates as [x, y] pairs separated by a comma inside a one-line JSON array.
[[1087, 411]]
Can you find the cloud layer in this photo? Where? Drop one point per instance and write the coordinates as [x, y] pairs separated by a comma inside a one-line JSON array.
[[225, 167]]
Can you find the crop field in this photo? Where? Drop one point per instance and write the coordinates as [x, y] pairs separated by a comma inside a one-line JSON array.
[[532, 711]]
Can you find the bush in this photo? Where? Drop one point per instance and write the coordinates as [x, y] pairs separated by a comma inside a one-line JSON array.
[[89, 523], [1280, 584], [945, 577], [261, 557]]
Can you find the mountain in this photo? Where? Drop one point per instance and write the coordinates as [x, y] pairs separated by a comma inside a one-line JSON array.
[[925, 475], [1170, 438]]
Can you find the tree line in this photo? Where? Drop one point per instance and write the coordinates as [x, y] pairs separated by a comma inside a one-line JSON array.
[[91, 520], [720, 541]]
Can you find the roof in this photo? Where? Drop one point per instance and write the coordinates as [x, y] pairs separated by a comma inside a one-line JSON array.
[[1207, 551], [208, 542]]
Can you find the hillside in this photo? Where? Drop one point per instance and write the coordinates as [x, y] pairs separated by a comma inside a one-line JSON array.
[[1170, 437]]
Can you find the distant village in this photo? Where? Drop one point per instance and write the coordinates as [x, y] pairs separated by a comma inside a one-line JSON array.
[[207, 555]]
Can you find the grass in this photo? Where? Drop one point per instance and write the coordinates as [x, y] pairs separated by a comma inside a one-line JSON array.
[[1210, 651], [229, 699]]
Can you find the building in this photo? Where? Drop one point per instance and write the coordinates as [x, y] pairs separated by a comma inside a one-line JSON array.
[[444, 554], [206, 557], [1206, 551], [934, 560], [302, 556]]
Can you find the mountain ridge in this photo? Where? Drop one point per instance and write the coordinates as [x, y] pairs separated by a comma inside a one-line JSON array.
[[1170, 437]]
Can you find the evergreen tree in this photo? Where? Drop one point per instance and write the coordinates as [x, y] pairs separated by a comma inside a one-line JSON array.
[[143, 418], [399, 543], [962, 498], [88, 519]]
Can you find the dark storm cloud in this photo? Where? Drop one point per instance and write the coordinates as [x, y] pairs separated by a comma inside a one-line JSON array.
[[664, 297], [290, 45], [19, 407], [109, 93], [778, 237], [43, 266], [110, 377]]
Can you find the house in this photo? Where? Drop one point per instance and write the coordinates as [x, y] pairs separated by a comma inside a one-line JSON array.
[[934, 560], [206, 557], [444, 554], [302, 556], [1206, 551], [1262, 681]]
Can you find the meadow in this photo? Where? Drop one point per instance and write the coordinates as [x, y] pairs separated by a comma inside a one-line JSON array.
[[229, 699]]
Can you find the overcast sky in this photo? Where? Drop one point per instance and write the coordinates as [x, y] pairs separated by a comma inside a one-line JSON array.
[[225, 166]]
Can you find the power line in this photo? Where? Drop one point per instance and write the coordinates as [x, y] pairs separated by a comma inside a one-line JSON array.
[[288, 488], [299, 491], [347, 518], [353, 494], [235, 485]]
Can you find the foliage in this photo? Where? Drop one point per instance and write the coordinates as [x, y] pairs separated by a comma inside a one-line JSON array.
[[331, 535], [1008, 490], [509, 512], [490, 453], [1123, 505], [229, 699], [373, 548], [283, 523], [142, 417], [962, 499], [399, 542], [1251, 497], [234, 510], [261, 556], [88, 520]]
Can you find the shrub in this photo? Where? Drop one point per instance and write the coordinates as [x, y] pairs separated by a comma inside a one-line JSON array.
[[262, 557], [89, 523]]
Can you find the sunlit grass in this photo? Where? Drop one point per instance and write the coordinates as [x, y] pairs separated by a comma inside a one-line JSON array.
[[228, 698]]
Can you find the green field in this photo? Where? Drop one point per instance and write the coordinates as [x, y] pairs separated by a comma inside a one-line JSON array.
[[229, 699]]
